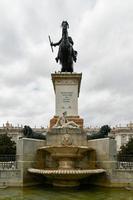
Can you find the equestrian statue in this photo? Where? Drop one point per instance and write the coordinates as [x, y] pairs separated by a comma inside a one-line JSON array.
[[66, 54]]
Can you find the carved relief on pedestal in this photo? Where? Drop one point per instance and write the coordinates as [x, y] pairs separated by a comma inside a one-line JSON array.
[[66, 140]]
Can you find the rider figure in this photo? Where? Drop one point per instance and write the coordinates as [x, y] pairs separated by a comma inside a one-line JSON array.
[[65, 25]]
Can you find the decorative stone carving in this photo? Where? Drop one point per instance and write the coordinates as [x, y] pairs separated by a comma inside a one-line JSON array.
[[62, 122], [66, 140]]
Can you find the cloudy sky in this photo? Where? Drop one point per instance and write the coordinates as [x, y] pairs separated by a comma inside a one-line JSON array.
[[102, 31]]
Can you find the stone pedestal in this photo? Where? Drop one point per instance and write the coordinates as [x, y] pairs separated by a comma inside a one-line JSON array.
[[26, 158], [67, 89]]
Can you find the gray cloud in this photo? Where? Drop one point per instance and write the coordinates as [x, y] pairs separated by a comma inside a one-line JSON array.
[[103, 34]]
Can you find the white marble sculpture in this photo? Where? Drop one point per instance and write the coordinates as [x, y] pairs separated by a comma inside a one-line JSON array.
[[62, 122]]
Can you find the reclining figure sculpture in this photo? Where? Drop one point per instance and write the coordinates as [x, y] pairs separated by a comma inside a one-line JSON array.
[[63, 122]]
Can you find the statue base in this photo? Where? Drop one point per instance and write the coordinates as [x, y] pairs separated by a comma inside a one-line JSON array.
[[79, 121], [67, 88]]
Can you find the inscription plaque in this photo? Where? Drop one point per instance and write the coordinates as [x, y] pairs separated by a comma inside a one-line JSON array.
[[66, 96]]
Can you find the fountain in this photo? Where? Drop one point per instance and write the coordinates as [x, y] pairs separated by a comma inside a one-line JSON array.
[[67, 159]]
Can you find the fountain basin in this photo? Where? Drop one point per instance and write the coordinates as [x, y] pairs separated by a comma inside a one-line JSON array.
[[67, 177], [67, 173], [66, 151], [66, 155]]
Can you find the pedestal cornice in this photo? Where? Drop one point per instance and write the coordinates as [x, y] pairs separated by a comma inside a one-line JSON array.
[[68, 76]]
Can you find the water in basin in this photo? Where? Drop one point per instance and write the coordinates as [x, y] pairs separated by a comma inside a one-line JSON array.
[[42, 193]]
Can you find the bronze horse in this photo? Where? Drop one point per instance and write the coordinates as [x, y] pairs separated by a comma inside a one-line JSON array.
[[66, 54]]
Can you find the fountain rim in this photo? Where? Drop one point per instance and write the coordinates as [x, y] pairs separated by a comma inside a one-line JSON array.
[[66, 150], [66, 171], [65, 146]]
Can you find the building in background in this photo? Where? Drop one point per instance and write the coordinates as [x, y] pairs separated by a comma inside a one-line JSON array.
[[121, 134], [16, 131]]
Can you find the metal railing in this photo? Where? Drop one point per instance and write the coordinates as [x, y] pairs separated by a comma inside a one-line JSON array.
[[8, 162], [125, 162]]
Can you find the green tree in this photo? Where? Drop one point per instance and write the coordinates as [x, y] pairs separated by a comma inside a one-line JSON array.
[[7, 146], [126, 151]]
